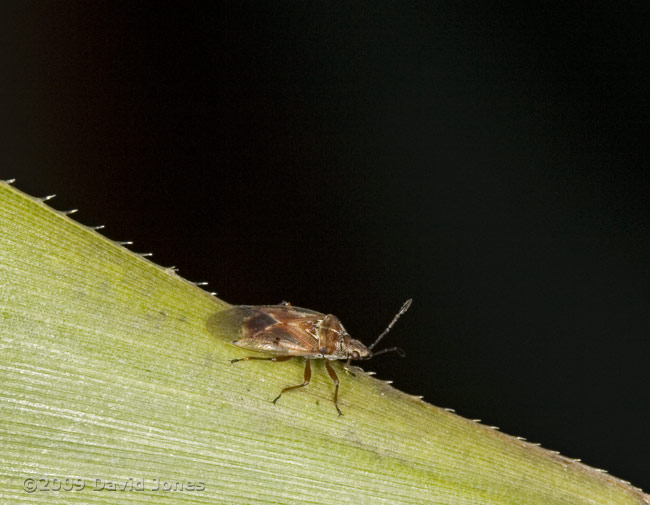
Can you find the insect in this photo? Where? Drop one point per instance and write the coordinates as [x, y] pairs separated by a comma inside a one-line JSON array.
[[285, 332]]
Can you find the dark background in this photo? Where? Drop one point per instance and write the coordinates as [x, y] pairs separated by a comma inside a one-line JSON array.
[[489, 161]]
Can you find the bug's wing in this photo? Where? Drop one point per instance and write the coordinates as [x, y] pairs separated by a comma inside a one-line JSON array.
[[275, 329], [279, 330], [228, 323], [279, 340]]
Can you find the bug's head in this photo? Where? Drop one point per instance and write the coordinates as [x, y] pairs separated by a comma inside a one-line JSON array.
[[357, 350], [363, 352]]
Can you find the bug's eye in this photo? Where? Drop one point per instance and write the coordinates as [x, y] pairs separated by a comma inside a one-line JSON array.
[[355, 355]]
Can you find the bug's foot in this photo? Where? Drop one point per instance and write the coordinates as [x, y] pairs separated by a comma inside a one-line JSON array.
[[338, 410], [235, 360], [277, 398], [349, 371]]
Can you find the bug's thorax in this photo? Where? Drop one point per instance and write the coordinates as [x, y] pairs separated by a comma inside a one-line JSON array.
[[334, 342]]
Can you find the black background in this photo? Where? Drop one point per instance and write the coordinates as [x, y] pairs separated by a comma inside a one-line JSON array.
[[489, 161]]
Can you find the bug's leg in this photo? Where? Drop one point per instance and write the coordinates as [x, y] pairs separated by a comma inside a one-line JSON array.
[[275, 358], [335, 378], [347, 368], [305, 382]]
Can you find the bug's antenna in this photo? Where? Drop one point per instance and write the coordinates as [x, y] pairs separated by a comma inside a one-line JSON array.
[[404, 308]]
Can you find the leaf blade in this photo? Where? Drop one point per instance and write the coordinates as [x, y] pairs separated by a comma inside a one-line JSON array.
[[108, 371]]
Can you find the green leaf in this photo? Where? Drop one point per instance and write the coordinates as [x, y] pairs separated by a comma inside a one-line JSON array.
[[108, 372]]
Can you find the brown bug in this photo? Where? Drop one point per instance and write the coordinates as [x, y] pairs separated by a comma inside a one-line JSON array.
[[285, 332]]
